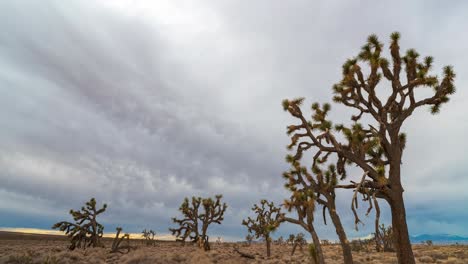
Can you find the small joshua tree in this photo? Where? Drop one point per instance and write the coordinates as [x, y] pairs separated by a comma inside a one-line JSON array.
[[358, 245], [290, 240], [213, 211], [116, 244], [300, 241], [310, 188], [148, 235], [86, 231], [188, 226], [249, 239], [376, 146], [280, 240], [384, 239], [268, 220]]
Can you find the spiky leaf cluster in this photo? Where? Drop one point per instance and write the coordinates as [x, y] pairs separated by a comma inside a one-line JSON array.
[[213, 211], [359, 91], [360, 143], [86, 231], [308, 188]]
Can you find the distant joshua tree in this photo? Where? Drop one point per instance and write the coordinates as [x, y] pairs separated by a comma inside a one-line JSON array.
[[290, 240], [268, 220], [249, 239], [86, 231], [280, 240], [376, 148], [213, 211], [384, 239], [116, 244], [359, 245], [148, 235], [300, 241]]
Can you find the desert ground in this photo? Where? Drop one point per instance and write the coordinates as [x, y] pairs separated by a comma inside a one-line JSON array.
[[49, 249]]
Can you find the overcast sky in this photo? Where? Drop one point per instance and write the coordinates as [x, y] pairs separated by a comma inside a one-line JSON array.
[[141, 103]]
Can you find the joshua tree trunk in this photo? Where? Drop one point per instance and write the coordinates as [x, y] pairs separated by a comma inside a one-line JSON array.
[[397, 205], [268, 241], [347, 255], [310, 228], [400, 228], [202, 239], [317, 245], [95, 237], [293, 249]]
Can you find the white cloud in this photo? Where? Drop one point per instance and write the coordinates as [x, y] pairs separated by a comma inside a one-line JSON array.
[[141, 103]]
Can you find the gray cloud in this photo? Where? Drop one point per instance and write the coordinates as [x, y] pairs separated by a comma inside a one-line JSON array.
[[141, 106]]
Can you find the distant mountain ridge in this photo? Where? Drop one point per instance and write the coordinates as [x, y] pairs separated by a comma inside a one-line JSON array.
[[438, 238]]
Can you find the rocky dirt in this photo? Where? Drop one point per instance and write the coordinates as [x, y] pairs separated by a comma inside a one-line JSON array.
[[44, 249]]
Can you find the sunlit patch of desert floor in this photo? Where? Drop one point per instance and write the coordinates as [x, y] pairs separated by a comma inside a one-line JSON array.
[[53, 249]]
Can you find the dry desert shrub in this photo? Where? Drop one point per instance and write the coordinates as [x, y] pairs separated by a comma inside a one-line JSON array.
[[19, 259], [138, 258], [426, 259], [439, 255], [50, 259], [454, 261], [148, 235], [29, 252]]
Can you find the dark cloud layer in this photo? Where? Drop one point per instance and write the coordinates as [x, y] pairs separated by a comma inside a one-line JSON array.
[[142, 104]]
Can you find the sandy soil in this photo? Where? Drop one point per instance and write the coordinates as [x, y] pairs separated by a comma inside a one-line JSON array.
[[46, 249]]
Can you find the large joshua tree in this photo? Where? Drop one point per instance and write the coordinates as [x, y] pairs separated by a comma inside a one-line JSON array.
[[376, 148], [86, 231], [268, 219], [213, 212], [309, 189]]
